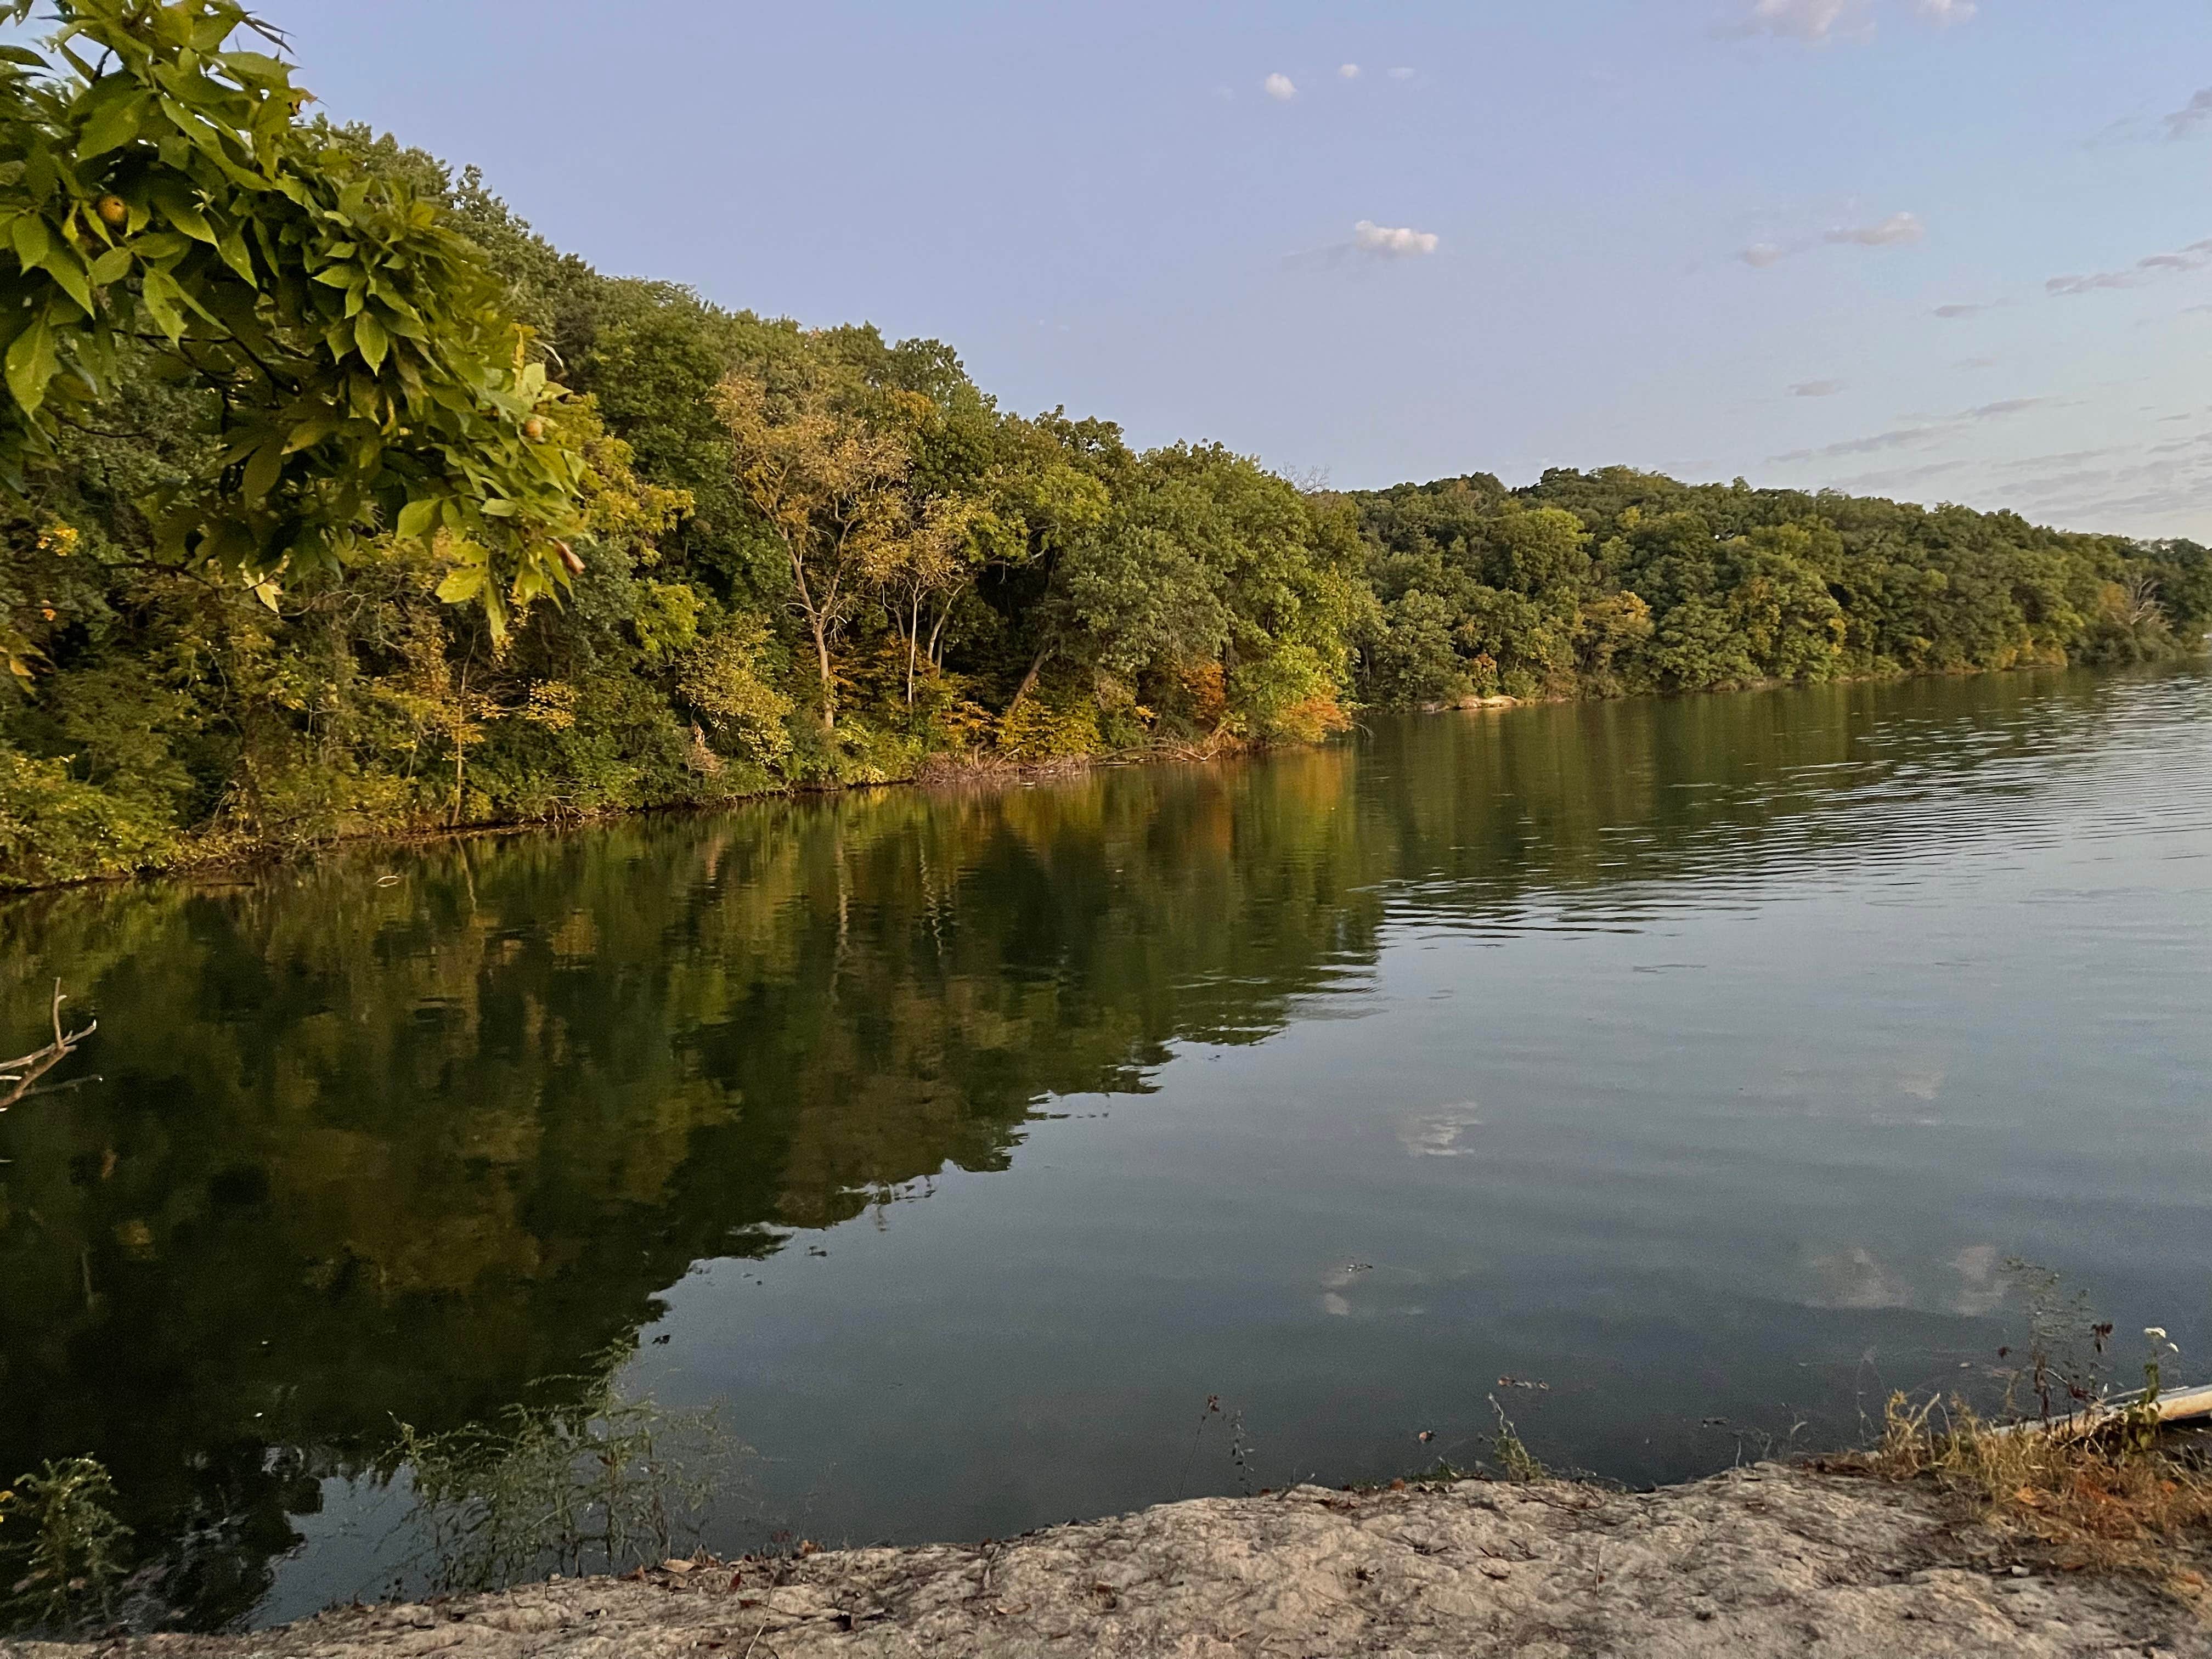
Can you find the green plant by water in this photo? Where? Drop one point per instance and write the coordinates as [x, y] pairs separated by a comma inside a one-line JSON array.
[[62, 1546], [579, 1479]]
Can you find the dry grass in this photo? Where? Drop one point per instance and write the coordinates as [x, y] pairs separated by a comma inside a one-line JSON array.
[[2119, 1496]]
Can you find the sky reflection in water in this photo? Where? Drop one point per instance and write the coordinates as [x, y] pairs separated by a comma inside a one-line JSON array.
[[1702, 1058]]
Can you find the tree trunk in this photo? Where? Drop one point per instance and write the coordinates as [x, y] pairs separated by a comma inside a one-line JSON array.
[[829, 677], [913, 629], [1030, 679]]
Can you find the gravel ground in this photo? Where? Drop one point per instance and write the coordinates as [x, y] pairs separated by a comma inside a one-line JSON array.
[[1761, 1561]]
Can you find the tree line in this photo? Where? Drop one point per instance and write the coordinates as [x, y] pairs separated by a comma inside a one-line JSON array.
[[337, 501]]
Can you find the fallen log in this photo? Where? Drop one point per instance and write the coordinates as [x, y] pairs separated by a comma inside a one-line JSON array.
[[2182, 1405]]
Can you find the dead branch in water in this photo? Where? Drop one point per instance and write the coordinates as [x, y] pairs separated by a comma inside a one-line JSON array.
[[20, 1077]]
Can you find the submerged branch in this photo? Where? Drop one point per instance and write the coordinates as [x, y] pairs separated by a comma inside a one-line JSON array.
[[19, 1078]]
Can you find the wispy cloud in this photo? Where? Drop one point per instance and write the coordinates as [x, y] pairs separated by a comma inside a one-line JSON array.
[[1970, 364], [1912, 437], [1402, 73], [1890, 478], [1349, 71], [2195, 257], [2049, 464], [1399, 243], [1822, 20], [1799, 19], [1903, 437], [1953, 313], [1816, 388], [1279, 86], [2191, 118], [1897, 229]]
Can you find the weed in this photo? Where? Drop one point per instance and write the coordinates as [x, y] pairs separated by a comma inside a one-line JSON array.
[[591, 1482], [1515, 1461], [2065, 1368], [1241, 1450], [72, 1558], [1212, 1410], [2097, 1485], [2109, 1499]]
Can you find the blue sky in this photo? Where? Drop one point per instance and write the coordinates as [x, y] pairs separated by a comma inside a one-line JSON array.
[[1896, 245]]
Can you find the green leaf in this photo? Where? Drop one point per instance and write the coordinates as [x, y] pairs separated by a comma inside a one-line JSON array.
[[111, 266], [232, 249], [417, 518], [32, 240], [180, 208], [161, 293], [31, 364], [368, 334], [462, 584], [114, 124], [66, 269], [312, 430], [263, 470]]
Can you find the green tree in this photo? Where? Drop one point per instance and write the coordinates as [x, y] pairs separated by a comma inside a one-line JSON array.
[[164, 198]]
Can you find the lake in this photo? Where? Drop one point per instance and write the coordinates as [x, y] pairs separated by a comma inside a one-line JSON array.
[[1680, 1075]]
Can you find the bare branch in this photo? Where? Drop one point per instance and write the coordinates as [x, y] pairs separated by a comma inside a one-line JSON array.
[[20, 1077]]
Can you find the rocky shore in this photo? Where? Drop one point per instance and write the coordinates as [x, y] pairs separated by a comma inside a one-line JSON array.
[[1764, 1561]]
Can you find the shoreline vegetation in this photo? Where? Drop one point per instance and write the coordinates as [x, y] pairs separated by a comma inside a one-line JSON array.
[[336, 503], [982, 769]]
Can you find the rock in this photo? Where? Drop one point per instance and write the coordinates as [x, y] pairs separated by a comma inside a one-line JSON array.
[[1756, 1563]]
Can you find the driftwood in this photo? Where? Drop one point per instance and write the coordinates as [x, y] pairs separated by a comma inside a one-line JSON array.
[[2176, 1407], [19, 1078]]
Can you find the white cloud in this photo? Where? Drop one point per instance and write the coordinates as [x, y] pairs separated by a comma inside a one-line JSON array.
[[1893, 231], [1822, 20], [1396, 244], [1349, 71], [1402, 73], [2191, 118], [1801, 20], [1898, 227], [2195, 257], [1816, 388], [1279, 87]]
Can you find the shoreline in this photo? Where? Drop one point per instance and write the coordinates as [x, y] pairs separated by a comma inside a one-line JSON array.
[[1767, 1560], [944, 772]]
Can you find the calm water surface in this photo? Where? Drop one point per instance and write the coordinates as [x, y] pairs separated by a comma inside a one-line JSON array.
[[1700, 1060]]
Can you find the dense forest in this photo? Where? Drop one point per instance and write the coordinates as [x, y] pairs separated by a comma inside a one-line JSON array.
[[335, 501]]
